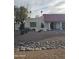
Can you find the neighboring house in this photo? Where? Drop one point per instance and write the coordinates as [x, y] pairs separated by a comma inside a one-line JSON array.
[[46, 22], [54, 21]]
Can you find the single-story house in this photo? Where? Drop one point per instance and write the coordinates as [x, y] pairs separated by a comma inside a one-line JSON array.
[[46, 22]]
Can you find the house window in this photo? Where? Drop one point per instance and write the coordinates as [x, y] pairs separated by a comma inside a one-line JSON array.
[[42, 25], [63, 26], [32, 24]]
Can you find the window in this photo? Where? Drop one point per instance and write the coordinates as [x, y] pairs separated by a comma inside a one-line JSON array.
[[42, 25], [32, 24], [63, 26]]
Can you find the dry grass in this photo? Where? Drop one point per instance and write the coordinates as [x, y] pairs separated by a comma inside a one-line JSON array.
[[43, 54]]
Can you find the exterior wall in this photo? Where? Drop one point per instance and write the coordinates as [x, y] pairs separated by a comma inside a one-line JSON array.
[[27, 25], [38, 21], [16, 26], [61, 26], [47, 26], [58, 25]]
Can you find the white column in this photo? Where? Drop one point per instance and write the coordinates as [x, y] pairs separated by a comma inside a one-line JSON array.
[[57, 25], [61, 26], [49, 26]]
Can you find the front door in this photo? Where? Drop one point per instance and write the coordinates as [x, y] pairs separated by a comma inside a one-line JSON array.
[[52, 26]]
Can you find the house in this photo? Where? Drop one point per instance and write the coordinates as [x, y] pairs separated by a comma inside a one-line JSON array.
[[46, 22], [35, 23], [54, 21]]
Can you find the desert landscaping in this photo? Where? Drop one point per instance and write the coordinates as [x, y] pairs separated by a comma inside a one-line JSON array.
[[49, 45]]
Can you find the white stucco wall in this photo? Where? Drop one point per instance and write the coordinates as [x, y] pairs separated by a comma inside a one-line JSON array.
[[61, 26], [58, 25], [38, 21], [47, 25], [17, 26]]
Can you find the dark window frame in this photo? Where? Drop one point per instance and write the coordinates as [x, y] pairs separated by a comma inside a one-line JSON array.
[[32, 24], [42, 25]]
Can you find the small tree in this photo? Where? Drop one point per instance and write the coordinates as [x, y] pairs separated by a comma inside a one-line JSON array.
[[20, 14], [23, 13]]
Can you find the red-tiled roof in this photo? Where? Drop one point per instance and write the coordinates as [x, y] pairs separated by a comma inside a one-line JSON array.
[[54, 17]]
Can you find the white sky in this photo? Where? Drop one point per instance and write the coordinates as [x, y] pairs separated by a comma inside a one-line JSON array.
[[47, 6]]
